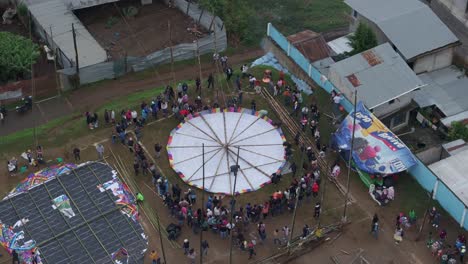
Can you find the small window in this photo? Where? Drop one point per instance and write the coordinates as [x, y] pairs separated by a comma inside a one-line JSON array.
[[391, 101], [355, 13], [399, 119]]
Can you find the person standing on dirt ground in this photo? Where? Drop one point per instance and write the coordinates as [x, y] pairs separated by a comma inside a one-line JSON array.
[[210, 81], [205, 247], [76, 154], [285, 234], [106, 116], [251, 247], [192, 256], [239, 99], [155, 259], [238, 83], [228, 73], [224, 60], [130, 144], [15, 257], [186, 246], [375, 219], [157, 149], [198, 85], [100, 151], [253, 106], [136, 167], [315, 189], [164, 106], [317, 210], [375, 226]]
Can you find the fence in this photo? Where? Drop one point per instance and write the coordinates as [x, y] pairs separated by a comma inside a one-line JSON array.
[[216, 40], [423, 175]]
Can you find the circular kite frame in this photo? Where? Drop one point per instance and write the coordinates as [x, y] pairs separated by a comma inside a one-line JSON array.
[[229, 151]]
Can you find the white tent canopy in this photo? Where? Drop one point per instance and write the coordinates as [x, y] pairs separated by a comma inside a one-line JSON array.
[[260, 146]]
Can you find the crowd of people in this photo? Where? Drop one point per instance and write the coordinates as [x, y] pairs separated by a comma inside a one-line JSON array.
[[215, 215], [437, 241]]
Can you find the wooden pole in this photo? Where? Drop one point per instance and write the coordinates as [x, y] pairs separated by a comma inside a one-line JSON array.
[[33, 87], [77, 64], [233, 203], [293, 224], [203, 203], [211, 24], [55, 50], [172, 51], [201, 14], [429, 201], [348, 180], [199, 64]]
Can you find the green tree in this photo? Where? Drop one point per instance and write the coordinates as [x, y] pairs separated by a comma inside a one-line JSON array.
[[17, 54], [458, 130], [363, 39], [237, 17]]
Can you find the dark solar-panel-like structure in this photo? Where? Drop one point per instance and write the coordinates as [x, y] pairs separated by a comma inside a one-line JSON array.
[[97, 230]]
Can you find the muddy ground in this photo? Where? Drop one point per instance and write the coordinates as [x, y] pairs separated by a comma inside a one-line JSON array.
[[117, 33]]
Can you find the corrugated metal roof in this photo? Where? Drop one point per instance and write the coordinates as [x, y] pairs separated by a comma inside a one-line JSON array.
[[341, 45], [452, 172], [56, 15], [379, 83], [409, 24], [446, 88], [311, 44]]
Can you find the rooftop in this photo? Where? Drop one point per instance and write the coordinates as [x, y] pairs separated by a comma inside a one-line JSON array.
[[378, 74], [57, 17], [447, 89], [311, 44], [406, 23], [452, 172], [84, 215]]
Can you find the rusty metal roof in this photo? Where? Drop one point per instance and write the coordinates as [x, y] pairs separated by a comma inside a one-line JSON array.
[[311, 44]]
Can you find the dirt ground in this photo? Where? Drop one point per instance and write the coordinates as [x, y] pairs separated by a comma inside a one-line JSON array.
[[355, 236], [149, 26]]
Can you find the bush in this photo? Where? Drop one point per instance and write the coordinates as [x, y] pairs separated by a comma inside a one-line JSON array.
[[17, 54], [458, 130], [363, 39], [22, 10]]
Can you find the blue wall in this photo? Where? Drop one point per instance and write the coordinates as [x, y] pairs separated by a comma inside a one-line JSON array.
[[423, 175]]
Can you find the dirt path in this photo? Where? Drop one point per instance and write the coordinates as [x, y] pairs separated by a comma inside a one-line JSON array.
[[90, 98]]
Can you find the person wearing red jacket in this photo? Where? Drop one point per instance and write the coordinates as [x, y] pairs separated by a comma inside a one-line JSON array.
[[315, 189]]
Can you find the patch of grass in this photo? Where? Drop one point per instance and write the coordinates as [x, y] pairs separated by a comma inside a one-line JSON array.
[[132, 100]]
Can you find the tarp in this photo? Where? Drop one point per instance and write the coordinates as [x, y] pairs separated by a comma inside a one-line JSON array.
[[376, 149]]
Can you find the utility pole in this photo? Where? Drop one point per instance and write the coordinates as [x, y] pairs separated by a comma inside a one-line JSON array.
[[348, 180], [199, 62], [33, 87], [234, 169], [203, 204], [77, 65]]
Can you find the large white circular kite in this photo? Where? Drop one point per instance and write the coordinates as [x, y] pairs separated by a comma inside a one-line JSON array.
[[259, 142]]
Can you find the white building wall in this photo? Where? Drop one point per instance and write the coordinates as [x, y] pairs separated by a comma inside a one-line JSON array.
[[389, 108], [434, 61]]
